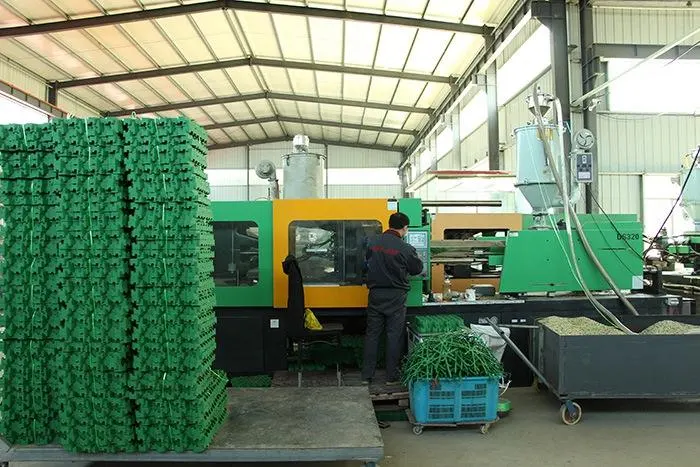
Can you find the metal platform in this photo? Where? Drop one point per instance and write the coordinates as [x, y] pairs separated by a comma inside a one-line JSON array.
[[265, 425]]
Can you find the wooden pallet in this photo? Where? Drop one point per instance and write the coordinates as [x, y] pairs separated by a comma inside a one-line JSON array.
[[311, 379], [380, 393]]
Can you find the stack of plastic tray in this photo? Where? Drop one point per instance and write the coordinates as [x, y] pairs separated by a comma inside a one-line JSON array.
[[28, 410], [92, 370], [436, 324], [180, 401]]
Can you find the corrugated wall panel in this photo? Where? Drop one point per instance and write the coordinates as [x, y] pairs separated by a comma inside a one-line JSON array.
[[475, 146], [75, 108], [348, 157], [641, 26], [228, 193], [651, 144], [364, 191], [620, 194], [229, 158], [20, 78], [446, 162], [517, 42]]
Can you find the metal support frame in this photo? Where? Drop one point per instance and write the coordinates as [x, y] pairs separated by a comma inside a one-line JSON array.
[[48, 108], [492, 117], [247, 172], [52, 94], [553, 15], [325, 153], [678, 52], [266, 95], [456, 140], [306, 121], [496, 39], [252, 61], [237, 144], [590, 69], [274, 8]]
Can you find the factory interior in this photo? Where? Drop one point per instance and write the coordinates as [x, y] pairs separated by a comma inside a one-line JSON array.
[[286, 232]]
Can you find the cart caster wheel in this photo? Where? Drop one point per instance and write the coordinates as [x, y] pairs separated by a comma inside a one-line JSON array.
[[417, 430], [484, 429], [571, 418]]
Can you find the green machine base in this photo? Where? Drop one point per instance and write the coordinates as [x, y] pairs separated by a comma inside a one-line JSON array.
[[541, 261]]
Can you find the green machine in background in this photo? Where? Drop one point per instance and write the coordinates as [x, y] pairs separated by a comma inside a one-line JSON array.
[[535, 260], [538, 260], [243, 259]]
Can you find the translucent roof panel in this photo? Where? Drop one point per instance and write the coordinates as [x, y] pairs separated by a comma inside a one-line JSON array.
[[352, 114], [293, 35], [303, 81], [218, 34], [360, 43], [374, 117], [329, 84], [149, 37], [381, 56], [394, 46], [309, 110], [355, 87], [244, 79], [427, 50]]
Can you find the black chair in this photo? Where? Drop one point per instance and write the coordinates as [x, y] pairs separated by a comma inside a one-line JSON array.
[[297, 334]]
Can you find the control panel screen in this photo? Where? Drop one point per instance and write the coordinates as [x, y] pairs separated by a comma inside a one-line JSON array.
[[419, 241], [584, 168]]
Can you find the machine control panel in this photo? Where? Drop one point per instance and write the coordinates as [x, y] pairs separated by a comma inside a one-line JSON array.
[[584, 167], [419, 240]]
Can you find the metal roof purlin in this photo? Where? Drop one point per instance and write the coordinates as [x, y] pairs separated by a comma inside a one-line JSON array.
[[516, 14], [266, 95], [314, 141], [306, 121], [164, 12], [252, 61]]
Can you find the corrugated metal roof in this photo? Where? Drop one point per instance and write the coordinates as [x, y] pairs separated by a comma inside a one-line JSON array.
[[294, 48]]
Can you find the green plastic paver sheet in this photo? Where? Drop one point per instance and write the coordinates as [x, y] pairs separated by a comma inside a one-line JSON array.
[[108, 289]]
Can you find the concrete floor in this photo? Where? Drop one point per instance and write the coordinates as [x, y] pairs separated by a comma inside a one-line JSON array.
[[612, 433]]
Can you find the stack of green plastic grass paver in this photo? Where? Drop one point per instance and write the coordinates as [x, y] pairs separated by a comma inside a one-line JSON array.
[[252, 381], [29, 303], [436, 324], [180, 401], [107, 291], [93, 367]]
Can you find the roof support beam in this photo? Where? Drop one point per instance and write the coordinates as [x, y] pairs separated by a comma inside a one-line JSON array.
[[252, 61], [266, 95], [306, 121], [237, 144], [688, 52], [165, 12], [491, 50]]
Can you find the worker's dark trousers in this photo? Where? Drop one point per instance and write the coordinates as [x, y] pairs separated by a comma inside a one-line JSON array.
[[386, 308]]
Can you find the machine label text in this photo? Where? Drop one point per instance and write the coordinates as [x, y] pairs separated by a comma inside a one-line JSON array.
[[628, 236]]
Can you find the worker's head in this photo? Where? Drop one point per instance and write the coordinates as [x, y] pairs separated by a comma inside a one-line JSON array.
[[399, 222]]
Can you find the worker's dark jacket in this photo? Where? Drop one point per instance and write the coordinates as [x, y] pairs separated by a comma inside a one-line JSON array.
[[390, 261]]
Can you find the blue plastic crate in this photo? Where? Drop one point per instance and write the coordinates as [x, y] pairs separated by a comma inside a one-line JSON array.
[[458, 400]]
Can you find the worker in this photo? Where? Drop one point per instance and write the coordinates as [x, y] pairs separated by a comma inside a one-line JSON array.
[[389, 262]]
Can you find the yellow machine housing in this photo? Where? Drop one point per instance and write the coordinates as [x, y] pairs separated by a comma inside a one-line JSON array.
[[326, 236], [441, 226]]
